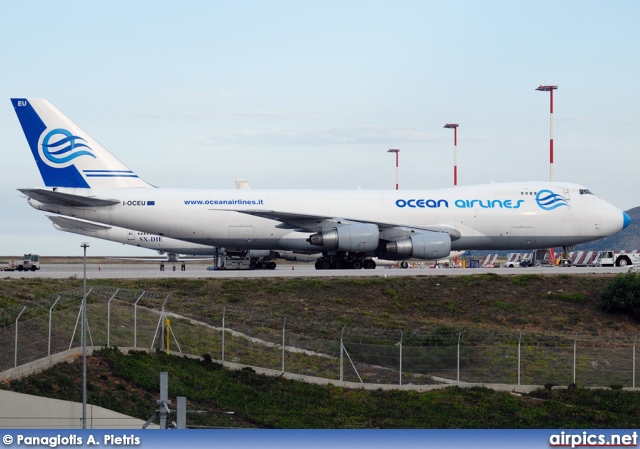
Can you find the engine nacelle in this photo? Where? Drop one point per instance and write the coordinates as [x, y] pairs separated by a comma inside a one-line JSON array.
[[428, 246], [359, 237], [296, 257], [255, 253]]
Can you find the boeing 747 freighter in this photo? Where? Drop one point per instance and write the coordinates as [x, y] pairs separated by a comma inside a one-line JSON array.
[[348, 227]]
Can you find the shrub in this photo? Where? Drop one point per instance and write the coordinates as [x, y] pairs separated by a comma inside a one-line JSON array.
[[622, 295]]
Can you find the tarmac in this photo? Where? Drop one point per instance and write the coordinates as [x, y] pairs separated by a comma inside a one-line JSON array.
[[198, 270]]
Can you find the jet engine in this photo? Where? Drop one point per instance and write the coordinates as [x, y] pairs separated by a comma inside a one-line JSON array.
[[358, 237], [428, 246]]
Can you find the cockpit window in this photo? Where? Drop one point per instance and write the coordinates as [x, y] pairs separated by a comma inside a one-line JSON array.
[[585, 192]]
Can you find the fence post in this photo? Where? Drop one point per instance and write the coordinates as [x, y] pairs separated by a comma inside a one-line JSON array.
[[109, 316], [401, 335], [165, 338], [633, 382], [135, 321], [341, 357], [575, 350], [50, 311], [224, 311], [519, 361], [458, 369], [284, 325], [16, 344]]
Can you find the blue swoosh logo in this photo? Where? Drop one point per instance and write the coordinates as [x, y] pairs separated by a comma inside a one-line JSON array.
[[547, 200], [64, 149]]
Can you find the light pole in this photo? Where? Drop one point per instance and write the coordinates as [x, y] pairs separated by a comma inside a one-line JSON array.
[[395, 150], [84, 245], [455, 150], [549, 89]]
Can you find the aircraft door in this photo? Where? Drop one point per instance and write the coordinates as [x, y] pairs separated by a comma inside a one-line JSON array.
[[131, 235]]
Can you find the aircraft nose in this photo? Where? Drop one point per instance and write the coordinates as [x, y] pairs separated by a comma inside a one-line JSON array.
[[626, 220]]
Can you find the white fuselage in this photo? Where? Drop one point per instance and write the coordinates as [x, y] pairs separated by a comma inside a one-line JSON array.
[[493, 216]]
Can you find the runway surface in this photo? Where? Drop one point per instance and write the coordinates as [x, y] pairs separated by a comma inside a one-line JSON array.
[[148, 271]]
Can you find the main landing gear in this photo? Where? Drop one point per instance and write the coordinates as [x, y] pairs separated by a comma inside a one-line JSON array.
[[344, 262], [264, 264], [183, 267]]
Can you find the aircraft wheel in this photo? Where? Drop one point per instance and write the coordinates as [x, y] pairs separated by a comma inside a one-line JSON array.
[[356, 265], [318, 265], [161, 267], [369, 264], [253, 266], [404, 264], [271, 265], [339, 265], [325, 264]]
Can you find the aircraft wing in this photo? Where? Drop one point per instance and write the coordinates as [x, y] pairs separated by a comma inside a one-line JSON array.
[[51, 197], [171, 258], [316, 223]]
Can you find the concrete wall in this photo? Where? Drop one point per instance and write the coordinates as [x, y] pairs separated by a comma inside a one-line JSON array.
[[24, 411]]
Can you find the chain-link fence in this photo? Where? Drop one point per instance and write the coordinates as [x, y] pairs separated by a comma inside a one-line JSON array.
[[145, 319]]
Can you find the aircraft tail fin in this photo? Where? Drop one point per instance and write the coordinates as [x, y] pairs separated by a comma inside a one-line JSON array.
[[66, 155]]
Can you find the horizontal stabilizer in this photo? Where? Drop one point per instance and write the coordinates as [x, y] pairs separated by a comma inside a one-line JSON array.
[[50, 197], [72, 224]]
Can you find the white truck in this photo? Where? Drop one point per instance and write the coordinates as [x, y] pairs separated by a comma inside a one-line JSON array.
[[29, 262], [249, 260], [612, 258]]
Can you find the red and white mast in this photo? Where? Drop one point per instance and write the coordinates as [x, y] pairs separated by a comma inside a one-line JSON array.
[[455, 151], [395, 150], [550, 89]]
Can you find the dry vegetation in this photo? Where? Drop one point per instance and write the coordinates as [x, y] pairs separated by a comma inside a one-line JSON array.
[[556, 304]]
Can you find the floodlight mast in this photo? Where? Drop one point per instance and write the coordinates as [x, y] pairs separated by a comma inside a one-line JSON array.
[[455, 150], [395, 150], [549, 89]]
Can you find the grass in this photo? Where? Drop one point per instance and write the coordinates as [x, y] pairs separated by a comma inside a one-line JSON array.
[[534, 302], [546, 311], [129, 384]]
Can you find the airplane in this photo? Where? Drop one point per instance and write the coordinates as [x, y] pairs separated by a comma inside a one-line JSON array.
[[244, 184], [171, 247], [446, 261], [349, 227]]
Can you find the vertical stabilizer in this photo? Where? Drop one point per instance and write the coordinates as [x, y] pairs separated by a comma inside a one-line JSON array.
[[66, 155]]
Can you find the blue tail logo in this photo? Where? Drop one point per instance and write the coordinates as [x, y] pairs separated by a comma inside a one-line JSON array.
[[547, 200], [60, 150]]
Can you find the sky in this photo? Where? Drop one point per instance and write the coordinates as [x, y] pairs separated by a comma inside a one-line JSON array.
[[311, 95]]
